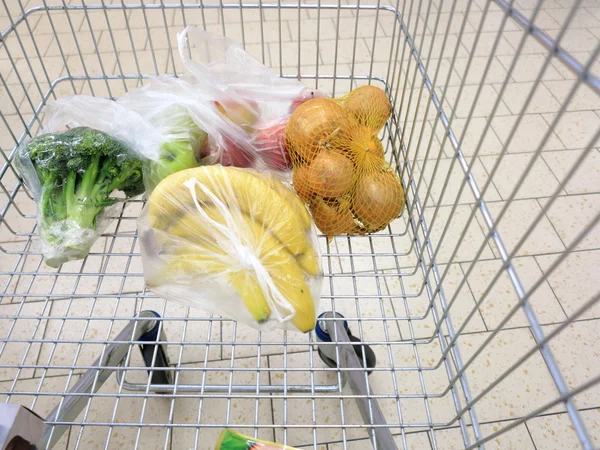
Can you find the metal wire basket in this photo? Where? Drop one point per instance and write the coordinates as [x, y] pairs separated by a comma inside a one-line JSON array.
[[478, 304]]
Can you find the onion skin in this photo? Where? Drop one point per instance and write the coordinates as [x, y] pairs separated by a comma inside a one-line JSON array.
[[378, 199], [300, 182], [316, 124], [333, 218], [331, 174], [369, 106]]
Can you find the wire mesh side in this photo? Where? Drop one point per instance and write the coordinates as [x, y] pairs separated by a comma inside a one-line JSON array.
[[468, 84]]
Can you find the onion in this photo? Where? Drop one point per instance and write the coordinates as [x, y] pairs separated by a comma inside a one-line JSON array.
[[333, 218], [300, 181], [331, 174], [369, 105], [316, 124], [365, 149], [378, 199]]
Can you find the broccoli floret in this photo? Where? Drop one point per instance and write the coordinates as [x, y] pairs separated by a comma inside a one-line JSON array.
[[78, 171]]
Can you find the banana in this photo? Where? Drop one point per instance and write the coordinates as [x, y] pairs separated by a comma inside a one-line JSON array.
[[293, 200], [309, 260], [235, 188], [285, 272], [243, 281], [204, 255]]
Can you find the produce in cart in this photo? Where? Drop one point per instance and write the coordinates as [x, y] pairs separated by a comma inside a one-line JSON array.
[[176, 110], [73, 176], [234, 242], [339, 165], [249, 105], [231, 440]]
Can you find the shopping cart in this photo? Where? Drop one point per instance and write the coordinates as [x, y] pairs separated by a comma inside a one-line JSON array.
[[469, 321]]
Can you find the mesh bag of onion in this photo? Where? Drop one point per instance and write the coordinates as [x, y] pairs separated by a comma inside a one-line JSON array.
[[339, 167]]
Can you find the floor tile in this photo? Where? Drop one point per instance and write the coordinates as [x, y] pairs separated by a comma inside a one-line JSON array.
[[472, 241], [326, 27], [483, 105], [486, 43], [28, 71], [525, 388], [411, 303], [122, 411], [584, 180], [449, 182], [289, 55], [21, 330], [245, 341], [566, 72], [574, 280], [427, 147], [384, 48], [528, 134], [365, 26], [531, 46], [216, 411], [502, 297], [528, 68], [75, 327], [495, 73], [573, 214], [445, 52], [411, 441], [516, 221], [575, 353], [490, 145], [299, 411], [514, 439], [576, 129], [583, 100], [124, 40], [579, 39], [581, 20], [516, 94], [59, 21], [539, 180], [556, 431]]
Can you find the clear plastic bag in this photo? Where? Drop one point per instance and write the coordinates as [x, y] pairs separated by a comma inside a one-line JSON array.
[[254, 101], [232, 440], [73, 177], [180, 112], [234, 242], [162, 121]]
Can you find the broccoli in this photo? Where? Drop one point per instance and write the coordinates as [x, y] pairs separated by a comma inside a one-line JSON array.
[[77, 171]]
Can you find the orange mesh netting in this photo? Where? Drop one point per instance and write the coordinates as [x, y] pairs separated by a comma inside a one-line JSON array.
[[339, 166]]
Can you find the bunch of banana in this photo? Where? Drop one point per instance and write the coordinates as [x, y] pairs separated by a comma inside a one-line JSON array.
[[242, 226]]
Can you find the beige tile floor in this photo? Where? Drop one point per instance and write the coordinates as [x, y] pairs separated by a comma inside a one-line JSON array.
[[54, 325]]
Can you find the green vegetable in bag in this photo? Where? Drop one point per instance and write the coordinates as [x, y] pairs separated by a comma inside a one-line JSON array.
[[72, 176], [182, 150]]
